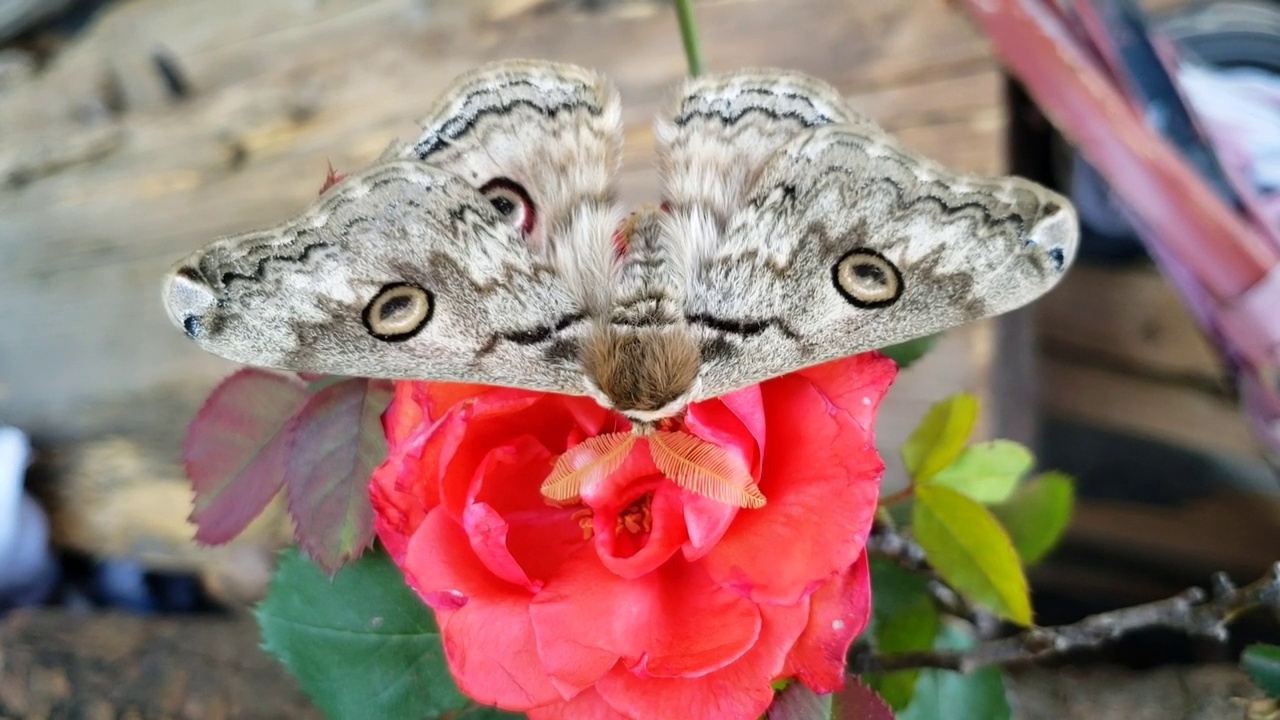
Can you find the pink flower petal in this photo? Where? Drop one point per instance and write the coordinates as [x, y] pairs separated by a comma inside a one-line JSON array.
[[705, 521], [487, 531], [586, 705], [821, 478], [714, 422], [671, 622], [491, 653], [487, 633], [838, 613], [855, 385], [740, 690]]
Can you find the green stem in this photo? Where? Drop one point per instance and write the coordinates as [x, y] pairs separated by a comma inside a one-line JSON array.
[[689, 36]]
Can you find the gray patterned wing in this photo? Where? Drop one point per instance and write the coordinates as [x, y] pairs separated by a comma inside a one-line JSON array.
[[846, 242], [475, 254]]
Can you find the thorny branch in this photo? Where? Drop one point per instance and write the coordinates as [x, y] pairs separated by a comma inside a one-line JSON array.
[[907, 554], [1193, 611]]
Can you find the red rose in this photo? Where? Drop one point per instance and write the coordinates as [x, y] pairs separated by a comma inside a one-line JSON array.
[[644, 600]]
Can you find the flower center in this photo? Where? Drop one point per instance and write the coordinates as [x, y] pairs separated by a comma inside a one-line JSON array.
[[583, 518], [636, 518]]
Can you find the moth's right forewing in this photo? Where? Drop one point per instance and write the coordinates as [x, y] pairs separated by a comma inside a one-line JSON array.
[[848, 242]]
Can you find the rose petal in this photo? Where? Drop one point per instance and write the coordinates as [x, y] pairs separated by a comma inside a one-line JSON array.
[[740, 690], [748, 405], [855, 385], [487, 532], [714, 422], [404, 414], [673, 621], [510, 475], [492, 656], [741, 415], [821, 477], [838, 613], [586, 705], [397, 511], [705, 521], [436, 398], [487, 633]]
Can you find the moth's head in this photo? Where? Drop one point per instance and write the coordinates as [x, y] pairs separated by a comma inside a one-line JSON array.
[[644, 374]]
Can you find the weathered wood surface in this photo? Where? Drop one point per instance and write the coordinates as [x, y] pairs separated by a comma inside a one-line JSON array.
[[59, 665], [1124, 353], [55, 664], [1208, 692], [105, 179]]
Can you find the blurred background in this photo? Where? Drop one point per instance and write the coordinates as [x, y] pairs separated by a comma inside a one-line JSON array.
[[133, 131]]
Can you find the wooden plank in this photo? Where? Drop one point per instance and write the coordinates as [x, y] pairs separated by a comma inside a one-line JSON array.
[[1130, 403], [1244, 528], [1128, 317]]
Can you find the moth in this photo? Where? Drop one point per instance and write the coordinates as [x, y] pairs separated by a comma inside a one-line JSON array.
[[492, 250]]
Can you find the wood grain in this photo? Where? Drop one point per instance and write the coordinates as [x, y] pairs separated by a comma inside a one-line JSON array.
[[1128, 317], [1164, 411], [59, 664]]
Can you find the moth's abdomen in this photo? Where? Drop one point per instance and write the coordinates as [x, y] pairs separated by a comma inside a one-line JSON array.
[[643, 373]]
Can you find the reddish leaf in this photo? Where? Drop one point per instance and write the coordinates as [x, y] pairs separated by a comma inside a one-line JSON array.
[[235, 450], [855, 702], [798, 702], [859, 702], [337, 442]]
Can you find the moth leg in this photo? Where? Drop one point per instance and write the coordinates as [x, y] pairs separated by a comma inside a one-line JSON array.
[[703, 468], [586, 463]]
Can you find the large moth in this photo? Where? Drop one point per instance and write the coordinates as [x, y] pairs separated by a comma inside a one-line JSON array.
[[492, 250]]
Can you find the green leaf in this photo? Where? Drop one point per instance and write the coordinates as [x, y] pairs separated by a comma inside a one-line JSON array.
[[970, 551], [946, 695], [905, 354], [1037, 514], [987, 472], [941, 436], [1262, 662], [337, 443], [361, 646], [905, 619]]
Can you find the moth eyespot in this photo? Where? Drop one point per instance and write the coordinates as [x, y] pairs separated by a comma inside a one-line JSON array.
[[398, 312], [512, 202], [867, 279]]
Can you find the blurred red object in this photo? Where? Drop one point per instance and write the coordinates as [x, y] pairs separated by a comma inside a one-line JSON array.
[[1101, 77]]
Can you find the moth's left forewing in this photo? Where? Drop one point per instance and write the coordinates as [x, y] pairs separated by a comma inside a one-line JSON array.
[[849, 242]]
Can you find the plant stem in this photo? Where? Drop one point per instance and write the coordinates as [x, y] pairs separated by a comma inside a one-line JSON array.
[[689, 36], [897, 497], [1192, 611]]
